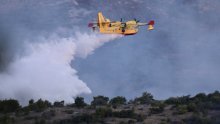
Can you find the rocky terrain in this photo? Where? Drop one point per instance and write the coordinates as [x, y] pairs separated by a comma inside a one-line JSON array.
[[199, 109]]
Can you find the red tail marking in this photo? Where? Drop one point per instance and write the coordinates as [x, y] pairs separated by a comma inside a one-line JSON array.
[[151, 22]]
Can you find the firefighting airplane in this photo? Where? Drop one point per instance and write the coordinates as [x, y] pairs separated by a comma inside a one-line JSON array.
[[105, 26]]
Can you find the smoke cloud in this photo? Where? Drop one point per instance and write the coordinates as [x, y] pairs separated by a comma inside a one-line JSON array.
[[45, 71]]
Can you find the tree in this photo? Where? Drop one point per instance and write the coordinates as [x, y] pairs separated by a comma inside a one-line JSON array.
[[58, 104], [10, 105], [214, 97], [79, 102], [157, 107], [200, 97], [38, 106], [178, 100], [100, 100], [146, 98], [119, 100], [31, 102]]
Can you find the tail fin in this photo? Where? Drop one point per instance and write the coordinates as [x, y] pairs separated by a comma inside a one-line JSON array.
[[100, 19], [151, 25]]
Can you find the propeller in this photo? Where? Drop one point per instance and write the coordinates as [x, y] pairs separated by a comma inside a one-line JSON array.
[[90, 24]]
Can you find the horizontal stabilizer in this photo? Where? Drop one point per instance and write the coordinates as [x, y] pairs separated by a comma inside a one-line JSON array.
[[151, 25]]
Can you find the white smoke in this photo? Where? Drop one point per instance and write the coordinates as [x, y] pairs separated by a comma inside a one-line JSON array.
[[45, 72]]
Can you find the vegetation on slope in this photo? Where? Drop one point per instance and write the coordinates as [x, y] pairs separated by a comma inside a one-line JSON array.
[[199, 109]]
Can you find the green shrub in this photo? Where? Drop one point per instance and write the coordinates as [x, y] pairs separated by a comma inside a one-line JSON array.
[[200, 97], [178, 100], [48, 114], [131, 122], [38, 106], [196, 119], [119, 100], [182, 109], [103, 112], [79, 102], [10, 105], [156, 107], [191, 107], [40, 121], [156, 110], [124, 114], [7, 120], [100, 100], [58, 104], [42, 105], [146, 98], [82, 119]]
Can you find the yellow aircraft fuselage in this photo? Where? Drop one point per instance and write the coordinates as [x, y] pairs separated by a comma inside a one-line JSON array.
[[107, 27], [116, 27]]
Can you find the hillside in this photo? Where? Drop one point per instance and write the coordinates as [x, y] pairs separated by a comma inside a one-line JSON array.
[[199, 109]]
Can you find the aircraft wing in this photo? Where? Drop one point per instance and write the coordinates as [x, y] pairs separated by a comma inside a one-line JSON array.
[[95, 24]]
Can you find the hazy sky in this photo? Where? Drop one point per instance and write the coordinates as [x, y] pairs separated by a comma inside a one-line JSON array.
[[180, 57]]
